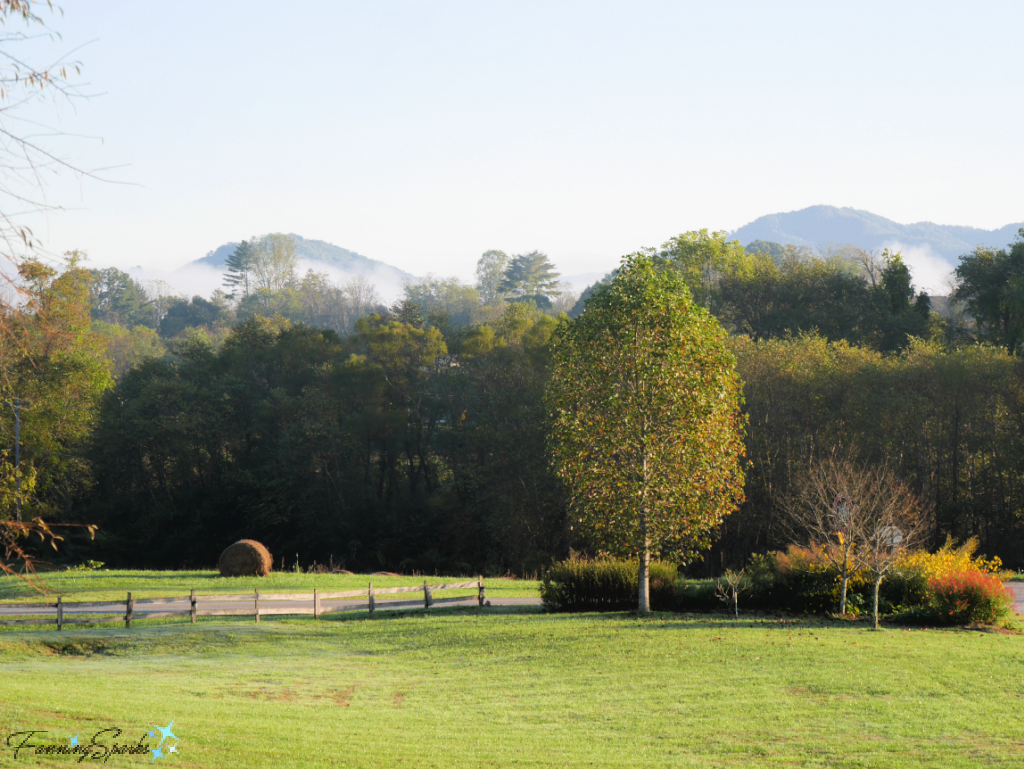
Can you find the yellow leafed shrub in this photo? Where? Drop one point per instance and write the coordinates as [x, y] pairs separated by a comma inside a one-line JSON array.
[[952, 559]]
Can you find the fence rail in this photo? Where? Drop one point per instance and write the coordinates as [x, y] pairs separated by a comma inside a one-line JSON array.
[[258, 605]]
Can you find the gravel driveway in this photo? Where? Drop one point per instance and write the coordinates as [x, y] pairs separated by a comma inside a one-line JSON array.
[[1018, 591]]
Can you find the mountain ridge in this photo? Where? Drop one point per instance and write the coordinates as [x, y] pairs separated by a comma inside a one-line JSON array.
[[317, 251], [816, 225]]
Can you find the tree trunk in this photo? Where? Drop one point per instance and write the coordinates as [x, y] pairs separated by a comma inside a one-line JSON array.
[[736, 603], [842, 592], [878, 583], [645, 576]]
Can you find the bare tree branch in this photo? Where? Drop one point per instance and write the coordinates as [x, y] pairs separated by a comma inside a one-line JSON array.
[[855, 516], [14, 539]]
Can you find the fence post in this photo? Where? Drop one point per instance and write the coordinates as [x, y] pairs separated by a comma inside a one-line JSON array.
[[257, 605], [373, 603], [128, 611], [316, 604], [60, 612], [192, 603], [481, 595], [426, 595]]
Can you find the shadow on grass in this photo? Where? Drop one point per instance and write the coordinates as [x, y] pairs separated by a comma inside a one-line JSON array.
[[661, 621]]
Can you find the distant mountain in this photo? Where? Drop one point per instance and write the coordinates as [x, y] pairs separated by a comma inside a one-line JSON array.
[[824, 224], [321, 253]]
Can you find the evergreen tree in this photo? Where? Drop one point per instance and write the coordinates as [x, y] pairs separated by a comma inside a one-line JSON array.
[[408, 312], [239, 269], [530, 275]]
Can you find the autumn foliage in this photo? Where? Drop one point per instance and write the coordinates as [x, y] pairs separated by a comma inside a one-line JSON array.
[[646, 429], [963, 597]]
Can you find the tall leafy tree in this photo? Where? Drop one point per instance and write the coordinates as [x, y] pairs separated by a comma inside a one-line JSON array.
[[52, 363], [991, 283], [902, 315], [119, 299], [764, 297], [274, 262], [267, 263], [701, 258], [490, 270], [766, 247], [646, 425], [126, 348], [896, 283], [184, 313], [444, 301], [530, 275]]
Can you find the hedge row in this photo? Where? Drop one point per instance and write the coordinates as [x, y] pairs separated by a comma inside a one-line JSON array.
[[947, 587]]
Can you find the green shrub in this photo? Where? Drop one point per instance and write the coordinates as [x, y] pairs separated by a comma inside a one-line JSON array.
[[904, 589], [795, 581], [87, 566], [698, 596], [605, 584]]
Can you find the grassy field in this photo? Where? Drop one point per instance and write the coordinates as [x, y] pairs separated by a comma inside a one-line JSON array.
[[104, 585], [499, 688]]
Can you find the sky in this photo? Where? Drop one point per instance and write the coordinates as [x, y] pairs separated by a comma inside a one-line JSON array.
[[424, 133]]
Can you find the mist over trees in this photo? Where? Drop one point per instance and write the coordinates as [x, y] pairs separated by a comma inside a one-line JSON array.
[[309, 414]]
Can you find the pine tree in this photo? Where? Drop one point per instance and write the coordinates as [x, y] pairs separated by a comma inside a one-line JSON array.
[[239, 268], [530, 274], [407, 311]]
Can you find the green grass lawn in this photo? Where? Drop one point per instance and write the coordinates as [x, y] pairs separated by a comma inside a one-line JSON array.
[[499, 688], [110, 585]]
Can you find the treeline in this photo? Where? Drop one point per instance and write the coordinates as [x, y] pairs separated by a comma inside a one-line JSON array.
[[381, 449], [768, 290], [412, 436], [387, 450], [949, 418]]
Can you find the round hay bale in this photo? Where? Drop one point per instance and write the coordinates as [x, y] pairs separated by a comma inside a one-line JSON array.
[[245, 558]]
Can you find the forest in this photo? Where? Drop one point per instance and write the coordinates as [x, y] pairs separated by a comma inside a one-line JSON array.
[[412, 436]]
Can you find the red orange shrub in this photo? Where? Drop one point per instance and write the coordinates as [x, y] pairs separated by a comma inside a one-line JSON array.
[[962, 597]]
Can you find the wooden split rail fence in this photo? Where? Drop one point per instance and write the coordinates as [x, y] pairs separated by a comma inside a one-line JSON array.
[[260, 605]]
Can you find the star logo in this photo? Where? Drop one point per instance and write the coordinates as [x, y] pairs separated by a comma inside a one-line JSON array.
[[173, 749], [73, 740], [157, 754], [165, 733]]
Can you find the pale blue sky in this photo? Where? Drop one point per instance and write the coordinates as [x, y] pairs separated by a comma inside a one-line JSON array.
[[422, 133]]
